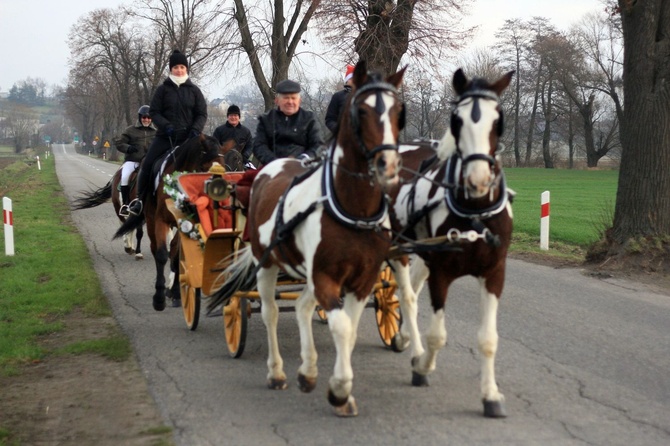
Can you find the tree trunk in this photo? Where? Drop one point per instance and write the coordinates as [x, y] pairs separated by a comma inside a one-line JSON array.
[[643, 195], [533, 113], [546, 135]]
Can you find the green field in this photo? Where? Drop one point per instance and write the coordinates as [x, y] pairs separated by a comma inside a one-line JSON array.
[[581, 203]]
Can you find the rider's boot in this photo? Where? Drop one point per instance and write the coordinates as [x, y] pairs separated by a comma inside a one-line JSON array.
[[135, 206], [125, 199]]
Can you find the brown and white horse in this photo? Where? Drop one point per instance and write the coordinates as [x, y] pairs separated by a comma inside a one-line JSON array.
[[457, 198], [132, 240], [329, 225], [195, 155]]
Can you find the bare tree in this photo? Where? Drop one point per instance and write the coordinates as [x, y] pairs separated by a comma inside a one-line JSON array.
[[513, 41], [381, 32], [270, 38], [22, 122], [195, 27], [643, 196]]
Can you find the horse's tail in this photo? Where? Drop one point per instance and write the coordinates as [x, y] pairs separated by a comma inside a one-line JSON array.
[[238, 276], [133, 222], [93, 198]]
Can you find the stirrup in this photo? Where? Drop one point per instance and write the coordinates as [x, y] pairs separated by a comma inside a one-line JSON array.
[[124, 211], [135, 207]]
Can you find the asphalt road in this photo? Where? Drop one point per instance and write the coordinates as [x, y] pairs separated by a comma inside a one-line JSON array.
[[581, 360]]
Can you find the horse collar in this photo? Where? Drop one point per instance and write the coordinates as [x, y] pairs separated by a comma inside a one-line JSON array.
[[454, 164], [335, 210]]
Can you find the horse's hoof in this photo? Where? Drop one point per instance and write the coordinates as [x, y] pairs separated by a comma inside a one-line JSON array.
[[159, 303], [129, 250], [348, 409], [397, 344], [494, 409], [176, 303], [306, 384], [277, 384], [139, 256], [419, 380]]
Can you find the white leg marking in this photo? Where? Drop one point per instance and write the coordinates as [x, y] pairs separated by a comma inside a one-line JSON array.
[[343, 324], [436, 337], [304, 310], [267, 278], [488, 343], [409, 331]]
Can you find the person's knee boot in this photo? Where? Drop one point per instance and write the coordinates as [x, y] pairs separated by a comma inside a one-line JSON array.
[[135, 206], [125, 194], [125, 199]]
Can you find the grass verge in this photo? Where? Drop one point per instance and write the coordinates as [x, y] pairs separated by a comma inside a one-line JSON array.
[[50, 275]]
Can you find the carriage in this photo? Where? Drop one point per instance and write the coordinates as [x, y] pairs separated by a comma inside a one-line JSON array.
[[331, 224], [210, 226]]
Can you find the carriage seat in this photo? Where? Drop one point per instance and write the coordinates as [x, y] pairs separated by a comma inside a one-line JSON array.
[[193, 186]]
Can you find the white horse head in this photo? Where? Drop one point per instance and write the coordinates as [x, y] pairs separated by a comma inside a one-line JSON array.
[[476, 126]]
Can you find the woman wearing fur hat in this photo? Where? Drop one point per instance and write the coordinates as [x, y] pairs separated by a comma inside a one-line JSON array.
[[179, 110]]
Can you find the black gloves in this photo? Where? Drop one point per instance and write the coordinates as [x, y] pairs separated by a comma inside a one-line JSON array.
[[169, 131]]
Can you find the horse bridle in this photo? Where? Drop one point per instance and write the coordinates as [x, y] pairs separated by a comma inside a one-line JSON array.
[[379, 87], [457, 123]]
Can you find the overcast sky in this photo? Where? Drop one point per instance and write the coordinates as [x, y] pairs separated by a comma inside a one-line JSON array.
[[33, 33]]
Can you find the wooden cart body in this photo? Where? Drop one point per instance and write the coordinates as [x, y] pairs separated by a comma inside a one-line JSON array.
[[211, 235]]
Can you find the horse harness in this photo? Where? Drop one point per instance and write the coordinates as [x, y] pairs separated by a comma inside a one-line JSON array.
[[332, 207], [453, 168]]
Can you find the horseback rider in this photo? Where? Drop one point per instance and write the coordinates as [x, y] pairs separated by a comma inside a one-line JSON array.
[[288, 130], [134, 143], [179, 110]]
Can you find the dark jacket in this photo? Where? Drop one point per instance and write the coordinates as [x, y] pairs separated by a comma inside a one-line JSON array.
[[240, 134], [335, 107], [281, 136], [182, 107], [137, 136]]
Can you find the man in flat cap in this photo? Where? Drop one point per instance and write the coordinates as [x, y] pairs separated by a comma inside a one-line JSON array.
[[288, 130]]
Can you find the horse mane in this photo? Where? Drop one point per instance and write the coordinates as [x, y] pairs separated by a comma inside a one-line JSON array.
[[447, 146], [195, 152]]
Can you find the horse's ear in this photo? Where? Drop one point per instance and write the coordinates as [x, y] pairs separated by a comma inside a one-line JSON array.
[[502, 83], [460, 82], [360, 73], [396, 79]]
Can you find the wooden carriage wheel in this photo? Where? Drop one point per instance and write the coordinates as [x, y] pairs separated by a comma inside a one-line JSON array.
[[190, 295], [235, 316], [387, 309]]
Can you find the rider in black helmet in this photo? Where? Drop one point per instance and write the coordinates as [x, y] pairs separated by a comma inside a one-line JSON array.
[[134, 142]]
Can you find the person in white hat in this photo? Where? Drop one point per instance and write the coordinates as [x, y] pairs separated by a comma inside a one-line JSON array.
[[338, 100]]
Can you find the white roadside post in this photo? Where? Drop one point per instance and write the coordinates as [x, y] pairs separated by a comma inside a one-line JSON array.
[[544, 221], [8, 218], [39, 166]]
